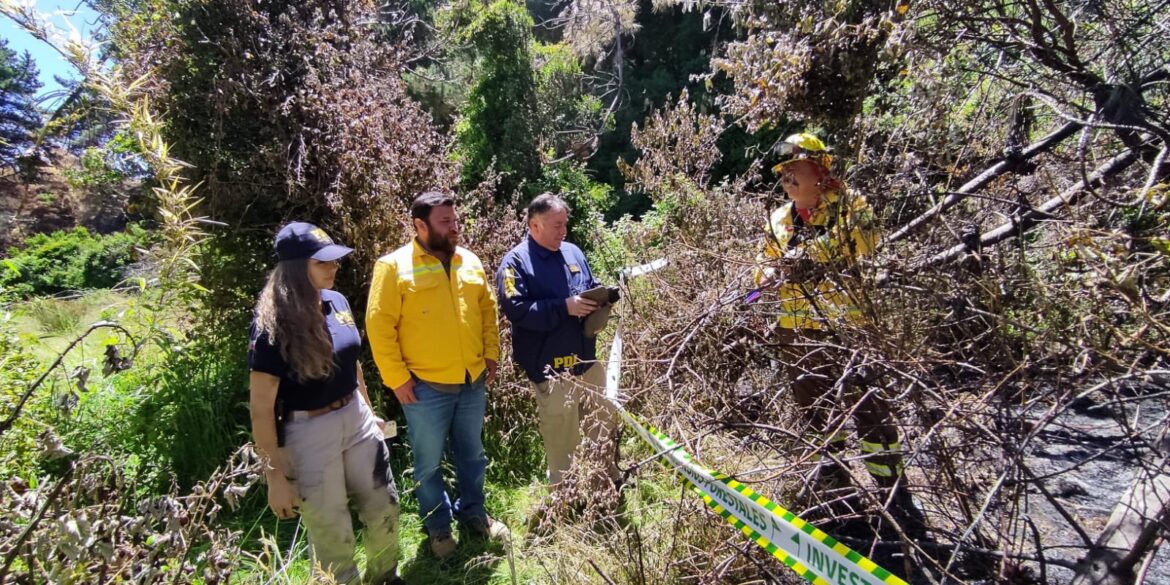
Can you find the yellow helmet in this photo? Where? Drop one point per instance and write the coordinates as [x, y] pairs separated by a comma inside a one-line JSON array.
[[803, 146]]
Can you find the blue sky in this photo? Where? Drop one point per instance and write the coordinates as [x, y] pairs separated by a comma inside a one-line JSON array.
[[49, 62]]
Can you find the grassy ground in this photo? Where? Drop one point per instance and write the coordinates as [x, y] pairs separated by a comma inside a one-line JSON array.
[[474, 562], [629, 547], [636, 546], [41, 329], [49, 325]]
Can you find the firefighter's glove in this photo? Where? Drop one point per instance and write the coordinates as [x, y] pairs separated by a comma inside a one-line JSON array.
[[804, 270]]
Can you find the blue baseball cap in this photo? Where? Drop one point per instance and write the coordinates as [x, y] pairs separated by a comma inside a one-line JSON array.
[[299, 240]]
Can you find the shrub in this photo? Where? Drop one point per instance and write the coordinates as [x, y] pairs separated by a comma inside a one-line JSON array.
[[195, 412], [69, 260], [311, 119], [588, 199], [569, 115], [498, 132], [56, 316], [18, 368]]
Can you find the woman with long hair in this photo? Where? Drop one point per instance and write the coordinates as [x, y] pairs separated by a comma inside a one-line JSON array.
[[312, 418]]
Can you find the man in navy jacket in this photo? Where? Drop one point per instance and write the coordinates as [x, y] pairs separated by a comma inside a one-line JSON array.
[[539, 286]]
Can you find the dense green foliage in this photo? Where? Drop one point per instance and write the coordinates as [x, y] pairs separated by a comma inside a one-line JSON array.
[[673, 46], [69, 261], [197, 413], [18, 368], [498, 132], [589, 200], [569, 115]]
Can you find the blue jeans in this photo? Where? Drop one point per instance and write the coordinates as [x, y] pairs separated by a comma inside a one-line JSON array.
[[430, 422]]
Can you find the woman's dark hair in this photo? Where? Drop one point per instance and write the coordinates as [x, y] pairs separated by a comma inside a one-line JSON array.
[[289, 312]]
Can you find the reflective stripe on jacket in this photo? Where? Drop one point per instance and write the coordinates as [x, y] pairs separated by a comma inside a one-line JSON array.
[[840, 229], [421, 320]]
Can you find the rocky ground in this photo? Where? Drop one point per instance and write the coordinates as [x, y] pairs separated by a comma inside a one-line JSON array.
[[1092, 454]]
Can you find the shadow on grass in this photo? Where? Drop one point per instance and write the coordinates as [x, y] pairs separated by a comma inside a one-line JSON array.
[[474, 561]]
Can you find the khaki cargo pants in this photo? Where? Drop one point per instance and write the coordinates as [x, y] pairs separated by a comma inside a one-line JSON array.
[[334, 457], [566, 404]]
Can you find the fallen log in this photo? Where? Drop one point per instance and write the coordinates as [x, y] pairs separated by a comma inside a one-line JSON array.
[[1033, 216], [999, 168], [1132, 530]]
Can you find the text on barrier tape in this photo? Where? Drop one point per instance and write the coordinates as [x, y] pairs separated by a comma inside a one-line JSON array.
[[804, 548]]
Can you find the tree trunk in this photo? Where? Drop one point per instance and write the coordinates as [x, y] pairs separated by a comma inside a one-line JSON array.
[[1003, 166], [1132, 530], [1031, 217]]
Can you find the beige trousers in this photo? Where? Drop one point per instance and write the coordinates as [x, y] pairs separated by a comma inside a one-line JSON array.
[[335, 457], [568, 405]]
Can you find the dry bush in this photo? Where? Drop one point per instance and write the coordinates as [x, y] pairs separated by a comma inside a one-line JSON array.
[[90, 526], [1025, 372], [984, 372], [288, 110]]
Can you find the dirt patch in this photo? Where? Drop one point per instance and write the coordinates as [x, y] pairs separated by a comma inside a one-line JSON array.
[[52, 203], [33, 208]]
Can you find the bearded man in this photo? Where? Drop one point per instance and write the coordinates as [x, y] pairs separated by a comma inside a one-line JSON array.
[[432, 324]]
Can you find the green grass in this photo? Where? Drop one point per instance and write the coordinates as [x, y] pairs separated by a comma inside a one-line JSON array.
[[55, 316], [40, 329], [52, 324], [649, 517], [474, 562], [100, 415]]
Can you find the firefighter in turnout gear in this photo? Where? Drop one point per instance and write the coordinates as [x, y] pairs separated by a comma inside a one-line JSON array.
[[809, 258]]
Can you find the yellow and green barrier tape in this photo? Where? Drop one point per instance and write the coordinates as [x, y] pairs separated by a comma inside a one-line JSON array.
[[802, 547]]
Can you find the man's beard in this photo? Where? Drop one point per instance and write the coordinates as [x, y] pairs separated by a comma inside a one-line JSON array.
[[439, 243]]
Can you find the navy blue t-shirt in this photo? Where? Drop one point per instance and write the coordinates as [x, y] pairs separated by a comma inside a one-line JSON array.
[[264, 356], [532, 285]]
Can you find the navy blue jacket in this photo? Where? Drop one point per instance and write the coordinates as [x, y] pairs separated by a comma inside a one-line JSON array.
[[532, 285]]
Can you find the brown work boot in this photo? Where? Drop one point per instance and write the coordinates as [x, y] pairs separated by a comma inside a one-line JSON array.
[[441, 545], [487, 528]]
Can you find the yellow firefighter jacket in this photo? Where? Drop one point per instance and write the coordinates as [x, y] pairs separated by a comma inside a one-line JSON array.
[[841, 229], [423, 320]]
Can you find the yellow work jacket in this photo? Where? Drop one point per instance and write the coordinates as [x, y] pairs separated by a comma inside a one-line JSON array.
[[841, 229], [422, 320]]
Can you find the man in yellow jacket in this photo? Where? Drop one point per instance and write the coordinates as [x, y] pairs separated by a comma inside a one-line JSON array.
[[811, 247], [433, 330]]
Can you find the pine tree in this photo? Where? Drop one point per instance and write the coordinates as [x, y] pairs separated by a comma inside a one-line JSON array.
[[19, 116]]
